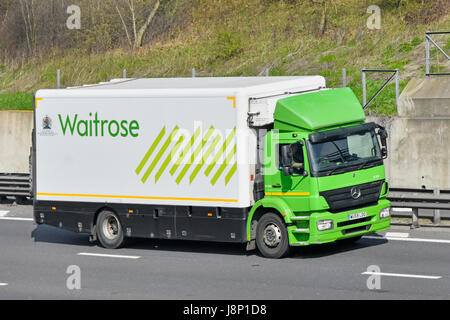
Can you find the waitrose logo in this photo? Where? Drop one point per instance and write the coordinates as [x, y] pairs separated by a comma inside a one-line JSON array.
[[95, 127]]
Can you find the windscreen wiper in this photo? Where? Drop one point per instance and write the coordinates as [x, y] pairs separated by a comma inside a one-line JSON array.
[[363, 164], [333, 170]]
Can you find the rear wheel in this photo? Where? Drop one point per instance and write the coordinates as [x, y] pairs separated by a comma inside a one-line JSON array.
[[272, 237], [109, 230]]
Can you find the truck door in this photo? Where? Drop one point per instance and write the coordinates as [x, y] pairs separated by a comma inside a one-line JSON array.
[[292, 186]]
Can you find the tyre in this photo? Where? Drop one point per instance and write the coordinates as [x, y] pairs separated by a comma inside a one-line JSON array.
[[109, 230], [349, 241], [272, 238]]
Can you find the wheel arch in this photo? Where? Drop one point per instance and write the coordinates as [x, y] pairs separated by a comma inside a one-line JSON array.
[[275, 205]]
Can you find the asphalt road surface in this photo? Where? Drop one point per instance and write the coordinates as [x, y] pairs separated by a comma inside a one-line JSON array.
[[43, 262]]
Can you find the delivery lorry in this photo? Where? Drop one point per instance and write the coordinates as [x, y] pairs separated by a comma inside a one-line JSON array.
[[274, 162]]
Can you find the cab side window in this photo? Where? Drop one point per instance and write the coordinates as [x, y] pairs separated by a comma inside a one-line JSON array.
[[298, 163]]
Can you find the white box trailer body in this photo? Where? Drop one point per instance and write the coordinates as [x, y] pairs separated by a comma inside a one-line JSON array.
[[120, 142]]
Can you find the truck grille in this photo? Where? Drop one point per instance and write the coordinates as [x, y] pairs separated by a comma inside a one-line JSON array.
[[341, 199]]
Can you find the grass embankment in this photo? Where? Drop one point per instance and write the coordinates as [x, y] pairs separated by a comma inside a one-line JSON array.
[[232, 38]]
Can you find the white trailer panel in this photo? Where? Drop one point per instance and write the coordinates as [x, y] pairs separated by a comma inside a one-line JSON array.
[[152, 141]]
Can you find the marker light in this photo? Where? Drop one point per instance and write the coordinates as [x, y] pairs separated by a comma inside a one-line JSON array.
[[385, 213], [323, 225]]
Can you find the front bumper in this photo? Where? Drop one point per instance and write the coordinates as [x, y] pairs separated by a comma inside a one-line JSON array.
[[305, 232]]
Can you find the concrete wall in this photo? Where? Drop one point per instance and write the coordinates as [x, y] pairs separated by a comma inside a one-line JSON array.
[[419, 137], [15, 141], [418, 152]]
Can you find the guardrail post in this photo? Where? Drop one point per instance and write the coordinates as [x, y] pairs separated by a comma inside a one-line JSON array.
[[427, 55], [437, 212], [363, 77], [415, 218], [397, 87], [58, 78], [193, 72], [267, 72], [344, 78], [124, 75]]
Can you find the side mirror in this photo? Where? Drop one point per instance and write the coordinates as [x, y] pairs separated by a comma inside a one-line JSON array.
[[383, 137], [287, 171]]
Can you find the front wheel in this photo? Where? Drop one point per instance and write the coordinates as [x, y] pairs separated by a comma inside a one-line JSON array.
[[272, 237], [109, 230]]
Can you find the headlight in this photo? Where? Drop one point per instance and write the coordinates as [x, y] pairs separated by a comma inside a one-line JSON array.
[[323, 225], [385, 213]]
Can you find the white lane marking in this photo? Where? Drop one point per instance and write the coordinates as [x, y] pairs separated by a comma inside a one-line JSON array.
[[397, 234], [107, 255], [408, 239], [402, 275], [16, 219], [3, 213], [2, 284]]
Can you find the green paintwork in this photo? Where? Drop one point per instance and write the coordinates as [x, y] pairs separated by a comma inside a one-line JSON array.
[[150, 151], [185, 151], [159, 154], [194, 154], [318, 110], [205, 157], [223, 166], [231, 173], [351, 178], [221, 151], [198, 152], [168, 158]]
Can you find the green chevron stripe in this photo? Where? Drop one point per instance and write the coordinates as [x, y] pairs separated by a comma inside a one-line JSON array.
[[194, 154], [205, 157], [185, 151], [223, 166], [150, 151], [169, 158], [230, 173], [159, 154], [221, 151]]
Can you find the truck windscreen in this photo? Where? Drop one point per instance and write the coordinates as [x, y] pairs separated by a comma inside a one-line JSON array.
[[343, 154]]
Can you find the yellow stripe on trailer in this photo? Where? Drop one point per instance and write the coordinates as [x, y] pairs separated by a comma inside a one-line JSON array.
[[133, 197]]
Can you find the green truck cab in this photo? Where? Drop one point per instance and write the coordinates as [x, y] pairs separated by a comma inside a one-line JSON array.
[[323, 172]]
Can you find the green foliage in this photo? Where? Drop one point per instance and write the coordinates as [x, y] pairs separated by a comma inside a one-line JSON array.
[[416, 41], [227, 45], [16, 101], [328, 58]]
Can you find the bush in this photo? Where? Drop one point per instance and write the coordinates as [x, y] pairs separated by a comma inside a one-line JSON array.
[[227, 45]]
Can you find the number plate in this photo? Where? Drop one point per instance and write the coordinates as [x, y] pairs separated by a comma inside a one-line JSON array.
[[357, 215]]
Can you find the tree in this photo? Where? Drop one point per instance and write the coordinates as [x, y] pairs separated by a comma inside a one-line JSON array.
[[27, 8], [132, 12]]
